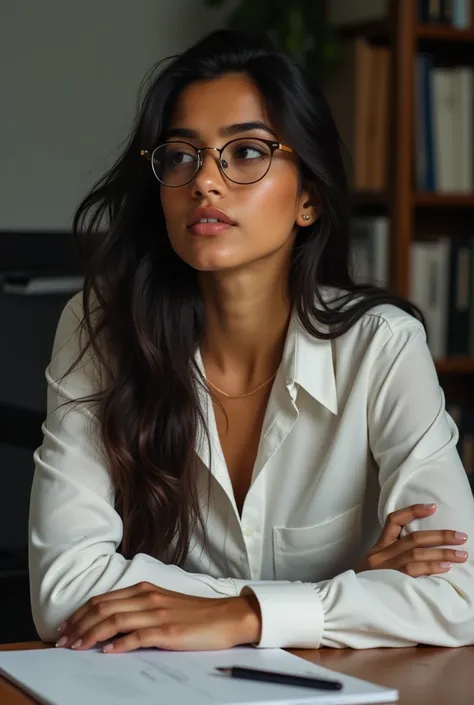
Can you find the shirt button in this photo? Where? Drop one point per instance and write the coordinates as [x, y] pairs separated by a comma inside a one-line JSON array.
[[248, 531]]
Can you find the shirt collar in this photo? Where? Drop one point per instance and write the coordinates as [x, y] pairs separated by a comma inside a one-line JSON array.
[[308, 362]]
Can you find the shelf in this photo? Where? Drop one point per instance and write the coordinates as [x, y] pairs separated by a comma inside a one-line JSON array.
[[381, 29], [456, 365], [370, 198], [425, 199], [444, 200], [369, 202], [444, 33], [378, 29]]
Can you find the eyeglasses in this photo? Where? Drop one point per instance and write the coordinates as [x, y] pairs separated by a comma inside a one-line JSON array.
[[242, 161]]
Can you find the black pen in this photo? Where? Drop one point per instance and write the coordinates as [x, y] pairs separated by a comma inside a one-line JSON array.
[[255, 674]]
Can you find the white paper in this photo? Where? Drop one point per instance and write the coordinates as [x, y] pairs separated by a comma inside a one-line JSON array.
[[153, 677]]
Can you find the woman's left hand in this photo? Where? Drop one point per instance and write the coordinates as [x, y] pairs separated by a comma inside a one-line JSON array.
[[148, 616]]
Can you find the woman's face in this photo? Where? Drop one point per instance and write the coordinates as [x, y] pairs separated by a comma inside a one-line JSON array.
[[266, 215]]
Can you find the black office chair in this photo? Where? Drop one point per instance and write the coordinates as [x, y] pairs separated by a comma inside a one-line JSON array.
[[22, 429], [27, 325]]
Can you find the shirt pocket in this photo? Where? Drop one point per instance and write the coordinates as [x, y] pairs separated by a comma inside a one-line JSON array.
[[318, 552]]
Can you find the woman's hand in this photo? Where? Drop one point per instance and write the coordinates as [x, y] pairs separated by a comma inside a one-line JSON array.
[[418, 553], [148, 616]]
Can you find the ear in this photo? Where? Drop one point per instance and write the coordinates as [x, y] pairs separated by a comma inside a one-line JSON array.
[[309, 208]]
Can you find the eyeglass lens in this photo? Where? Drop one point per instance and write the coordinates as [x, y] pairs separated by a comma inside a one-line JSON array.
[[243, 161]]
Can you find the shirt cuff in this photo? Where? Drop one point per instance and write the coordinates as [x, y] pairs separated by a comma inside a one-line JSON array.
[[292, 615]]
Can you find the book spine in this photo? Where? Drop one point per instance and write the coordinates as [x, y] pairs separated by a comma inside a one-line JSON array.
[[425, 156], [418, 282], [471, 304], [420, 126], [459, 294], [381, 250], [363, 90], [462, 9], [379, 151], [442, 255], [434, 11], [443, 118], [428, 292], [429, 128], [423, 10], [447, 11], [464, 118]]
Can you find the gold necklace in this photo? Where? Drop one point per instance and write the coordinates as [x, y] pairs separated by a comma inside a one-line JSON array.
[[247, 394]]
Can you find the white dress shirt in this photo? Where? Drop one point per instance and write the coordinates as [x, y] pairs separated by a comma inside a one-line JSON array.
[[355, 428]]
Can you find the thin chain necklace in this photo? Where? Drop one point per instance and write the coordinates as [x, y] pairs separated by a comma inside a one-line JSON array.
[[247, 394]]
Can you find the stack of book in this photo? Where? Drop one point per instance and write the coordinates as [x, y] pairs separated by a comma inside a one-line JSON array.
[[457, 13], [441, 283], [358, 94], [370, 250], [444, 123]]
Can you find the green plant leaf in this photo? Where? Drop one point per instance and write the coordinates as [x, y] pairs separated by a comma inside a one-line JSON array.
[[298, 27]]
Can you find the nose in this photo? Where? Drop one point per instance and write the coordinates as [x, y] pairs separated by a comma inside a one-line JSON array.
[[209, 179]]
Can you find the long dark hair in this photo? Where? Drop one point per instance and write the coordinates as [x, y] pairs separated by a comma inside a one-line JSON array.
[[143, 315]]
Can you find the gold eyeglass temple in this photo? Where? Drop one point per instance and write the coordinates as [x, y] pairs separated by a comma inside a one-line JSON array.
[[145, 153]]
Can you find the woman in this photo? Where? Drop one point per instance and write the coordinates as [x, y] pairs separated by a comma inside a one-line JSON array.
[[230, 419]]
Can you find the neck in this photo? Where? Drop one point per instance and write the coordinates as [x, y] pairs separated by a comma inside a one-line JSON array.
[[247, 314]]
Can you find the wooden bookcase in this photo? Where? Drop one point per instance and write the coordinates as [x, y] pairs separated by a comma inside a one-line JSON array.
[[402, 203]]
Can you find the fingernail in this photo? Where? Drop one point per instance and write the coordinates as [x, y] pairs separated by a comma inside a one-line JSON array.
[[445, 566], [430, 506], [460, 535], [107, 648], [62, 627], [461, 554], [61, 641], [76, 644]]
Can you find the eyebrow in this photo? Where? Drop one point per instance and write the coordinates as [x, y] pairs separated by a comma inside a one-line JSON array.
[[226, 131]]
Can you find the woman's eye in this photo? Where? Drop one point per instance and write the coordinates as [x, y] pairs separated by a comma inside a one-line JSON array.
[[180, 158], [248, 152]]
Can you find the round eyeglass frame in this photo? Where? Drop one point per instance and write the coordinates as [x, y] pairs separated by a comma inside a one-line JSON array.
[[274, 146]]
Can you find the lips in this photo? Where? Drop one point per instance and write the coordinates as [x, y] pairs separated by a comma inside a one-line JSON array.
[[209, 214]]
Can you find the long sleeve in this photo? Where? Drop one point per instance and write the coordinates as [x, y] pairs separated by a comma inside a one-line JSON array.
[[413, 442], [74, 528]]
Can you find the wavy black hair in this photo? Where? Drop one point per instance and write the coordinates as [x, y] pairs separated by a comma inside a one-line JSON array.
[[143, 315]]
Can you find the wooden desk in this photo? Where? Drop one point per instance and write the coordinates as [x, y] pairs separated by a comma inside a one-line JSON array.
[[424, 675]]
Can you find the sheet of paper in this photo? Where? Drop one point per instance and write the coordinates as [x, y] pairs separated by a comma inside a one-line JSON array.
[[152, 677]]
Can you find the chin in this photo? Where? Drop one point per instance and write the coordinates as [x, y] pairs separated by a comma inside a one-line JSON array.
[[214, 260], [226, 265]]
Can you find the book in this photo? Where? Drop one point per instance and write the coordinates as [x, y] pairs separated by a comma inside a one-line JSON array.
[[444, 121], [370, 250], [461, 13], [429, 289], [358, 95], [460, 270], [425, 169]]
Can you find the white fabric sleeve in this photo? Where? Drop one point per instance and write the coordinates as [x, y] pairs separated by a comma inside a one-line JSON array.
[[74, 529], [413, 442]]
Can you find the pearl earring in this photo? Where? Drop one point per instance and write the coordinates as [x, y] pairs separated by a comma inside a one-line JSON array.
[[306, 217]]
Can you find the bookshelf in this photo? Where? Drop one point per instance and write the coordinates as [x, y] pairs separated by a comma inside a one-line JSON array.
[[431, 230], [443, 200], [443, 34], [404, 205], [454, 364]]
